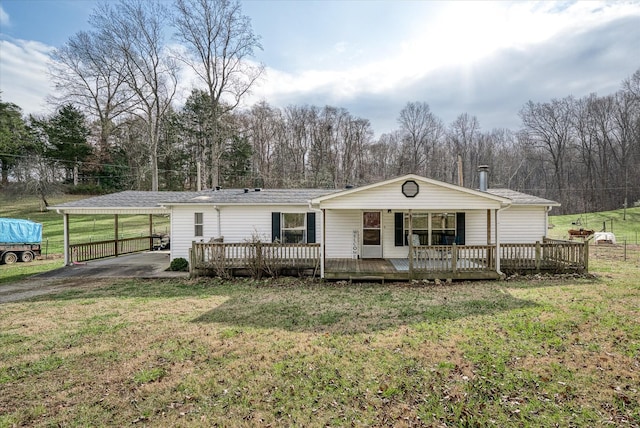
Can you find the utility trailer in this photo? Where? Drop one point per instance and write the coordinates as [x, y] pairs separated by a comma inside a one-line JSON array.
[[20, 240]]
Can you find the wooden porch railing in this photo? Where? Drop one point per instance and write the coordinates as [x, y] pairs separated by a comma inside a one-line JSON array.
[[549, 255], [257, 257], [100, 249], [462, 261], [453, 258]]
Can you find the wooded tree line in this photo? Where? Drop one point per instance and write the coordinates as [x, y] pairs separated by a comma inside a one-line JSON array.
[[118, 125]]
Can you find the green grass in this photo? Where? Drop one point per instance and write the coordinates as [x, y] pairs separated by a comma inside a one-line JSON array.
[[628, 228], [287, 352], [19, 271]]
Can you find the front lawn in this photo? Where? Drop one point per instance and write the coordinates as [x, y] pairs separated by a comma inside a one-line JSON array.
[[534, 352]]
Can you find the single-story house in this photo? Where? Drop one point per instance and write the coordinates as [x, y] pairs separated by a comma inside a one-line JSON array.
[[384, 229]]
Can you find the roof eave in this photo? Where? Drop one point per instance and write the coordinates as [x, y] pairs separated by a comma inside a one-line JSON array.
[[347, 192]]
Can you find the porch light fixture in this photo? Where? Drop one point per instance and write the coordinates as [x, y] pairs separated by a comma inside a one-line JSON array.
[[410, 188]]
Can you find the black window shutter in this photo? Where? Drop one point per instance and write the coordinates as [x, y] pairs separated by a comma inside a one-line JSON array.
[[460, 228], [399, 229], [311, 228], [275, 227]]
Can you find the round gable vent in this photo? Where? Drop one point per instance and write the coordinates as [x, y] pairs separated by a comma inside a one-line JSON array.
[[410, 188]]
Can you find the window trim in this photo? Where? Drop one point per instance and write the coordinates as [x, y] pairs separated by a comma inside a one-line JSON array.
[[303, 228], [198, 224]]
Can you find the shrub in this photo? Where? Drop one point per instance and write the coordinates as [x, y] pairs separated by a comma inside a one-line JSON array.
[[179, 264]]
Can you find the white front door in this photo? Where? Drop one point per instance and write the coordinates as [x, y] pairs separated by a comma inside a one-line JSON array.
[[372, 235]]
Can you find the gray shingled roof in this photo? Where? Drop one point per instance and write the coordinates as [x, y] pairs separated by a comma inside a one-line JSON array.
[[126, 199], [144, 199], [253, 197], [519, 198]]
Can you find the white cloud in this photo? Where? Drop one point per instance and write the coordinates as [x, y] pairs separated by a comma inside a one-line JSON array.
[[458, 40], [458, 56], [24, 76]]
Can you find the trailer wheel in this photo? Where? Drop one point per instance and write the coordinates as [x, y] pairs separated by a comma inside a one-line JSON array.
[[26, 256], [10, 258]]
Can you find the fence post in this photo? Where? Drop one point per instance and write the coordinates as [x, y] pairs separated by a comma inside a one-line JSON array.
[[454, 257], [259, 259], [538, 256]]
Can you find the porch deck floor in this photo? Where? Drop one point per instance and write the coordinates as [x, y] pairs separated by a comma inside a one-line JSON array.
[[368, 266]]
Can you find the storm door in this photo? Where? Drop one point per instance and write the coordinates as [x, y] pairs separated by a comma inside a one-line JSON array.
[[371, 235]]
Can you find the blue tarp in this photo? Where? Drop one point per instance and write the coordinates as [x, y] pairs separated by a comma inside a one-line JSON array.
[[17, 231]]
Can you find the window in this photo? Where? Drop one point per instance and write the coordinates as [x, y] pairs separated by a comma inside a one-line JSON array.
[[293, 228], [443, 228], [431, 228], [420, 228], [199, 224]]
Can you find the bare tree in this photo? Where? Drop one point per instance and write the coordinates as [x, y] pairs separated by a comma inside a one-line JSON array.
[[220, 43], [135, 30], [421, 130], [86, 73], [548, 127], [264, 127], [463, 138]]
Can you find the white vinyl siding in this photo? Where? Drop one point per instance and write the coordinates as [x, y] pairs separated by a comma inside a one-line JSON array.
[[430, 198], [476, 227], [183, 230], [341, 226], [389, 249], [239, 223], [522, 225]]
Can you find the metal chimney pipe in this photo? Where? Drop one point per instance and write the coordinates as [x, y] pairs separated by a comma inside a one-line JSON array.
[[483, 175]]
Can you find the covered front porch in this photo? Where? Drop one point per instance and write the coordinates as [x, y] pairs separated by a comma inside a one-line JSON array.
[[444, 262], [466, 262], [457, 262]]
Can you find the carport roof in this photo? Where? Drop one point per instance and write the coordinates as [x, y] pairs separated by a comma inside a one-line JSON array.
[[128, 202]]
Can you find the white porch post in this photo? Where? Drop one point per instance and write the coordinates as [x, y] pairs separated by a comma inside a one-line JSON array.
[[497, 241], [410, 238], [65, 222], [322, 238]]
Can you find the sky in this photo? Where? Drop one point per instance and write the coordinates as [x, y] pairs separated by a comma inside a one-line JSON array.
[[486, 59]]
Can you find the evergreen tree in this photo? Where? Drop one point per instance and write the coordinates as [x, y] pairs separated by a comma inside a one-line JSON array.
[[14, 138]]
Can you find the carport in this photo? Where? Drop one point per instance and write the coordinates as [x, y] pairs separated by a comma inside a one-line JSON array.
[[122, 203]]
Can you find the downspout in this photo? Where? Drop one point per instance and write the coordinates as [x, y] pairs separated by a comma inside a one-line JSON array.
[[546, 221], [498, 238], [321, 212], [217, 208]]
